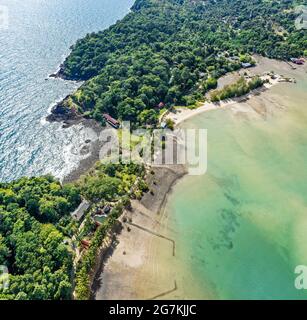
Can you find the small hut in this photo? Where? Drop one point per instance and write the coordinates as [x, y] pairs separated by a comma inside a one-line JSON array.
[[114, 123], [161, 105]]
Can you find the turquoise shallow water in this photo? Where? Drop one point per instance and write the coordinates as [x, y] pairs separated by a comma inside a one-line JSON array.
[[242, 227]]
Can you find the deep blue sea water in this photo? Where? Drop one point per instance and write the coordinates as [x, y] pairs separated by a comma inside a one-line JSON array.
[[36, 42]]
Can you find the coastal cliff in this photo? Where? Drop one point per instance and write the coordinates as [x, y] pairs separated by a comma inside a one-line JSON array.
[[61, 112]]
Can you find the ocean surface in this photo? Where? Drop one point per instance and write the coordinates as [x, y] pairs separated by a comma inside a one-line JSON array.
[[241, 229], [37, 40]]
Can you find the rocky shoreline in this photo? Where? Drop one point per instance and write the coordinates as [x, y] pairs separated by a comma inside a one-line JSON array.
[[142, 264], [60, 74], [60, 113], [92, 148]]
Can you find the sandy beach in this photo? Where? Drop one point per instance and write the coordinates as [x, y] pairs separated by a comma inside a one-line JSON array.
[[137, 265], [263, 66], [142, 262]]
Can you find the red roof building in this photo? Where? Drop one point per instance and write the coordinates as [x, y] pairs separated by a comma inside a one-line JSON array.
[[114, 123], [161, 105], [97, 223], [85, 243]]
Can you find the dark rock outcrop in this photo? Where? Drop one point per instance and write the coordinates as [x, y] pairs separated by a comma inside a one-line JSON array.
[[59, 74], [60, 112]]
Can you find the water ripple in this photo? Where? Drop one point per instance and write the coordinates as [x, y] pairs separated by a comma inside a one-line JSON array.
[[39, 36]]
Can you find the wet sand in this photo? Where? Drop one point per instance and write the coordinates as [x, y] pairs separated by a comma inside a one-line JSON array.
[[239, 227], [138, 266], [264, 65], [143, 265]]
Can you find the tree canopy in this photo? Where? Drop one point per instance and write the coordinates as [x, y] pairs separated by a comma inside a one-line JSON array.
[[33, 216], [173, 51]]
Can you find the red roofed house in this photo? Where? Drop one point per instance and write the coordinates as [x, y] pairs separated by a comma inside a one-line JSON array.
[[161, 105], [114, 123], [85, 243]]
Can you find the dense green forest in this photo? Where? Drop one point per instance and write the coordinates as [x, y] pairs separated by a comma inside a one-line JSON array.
[[38, 235], [173, 51], [34, 223]]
